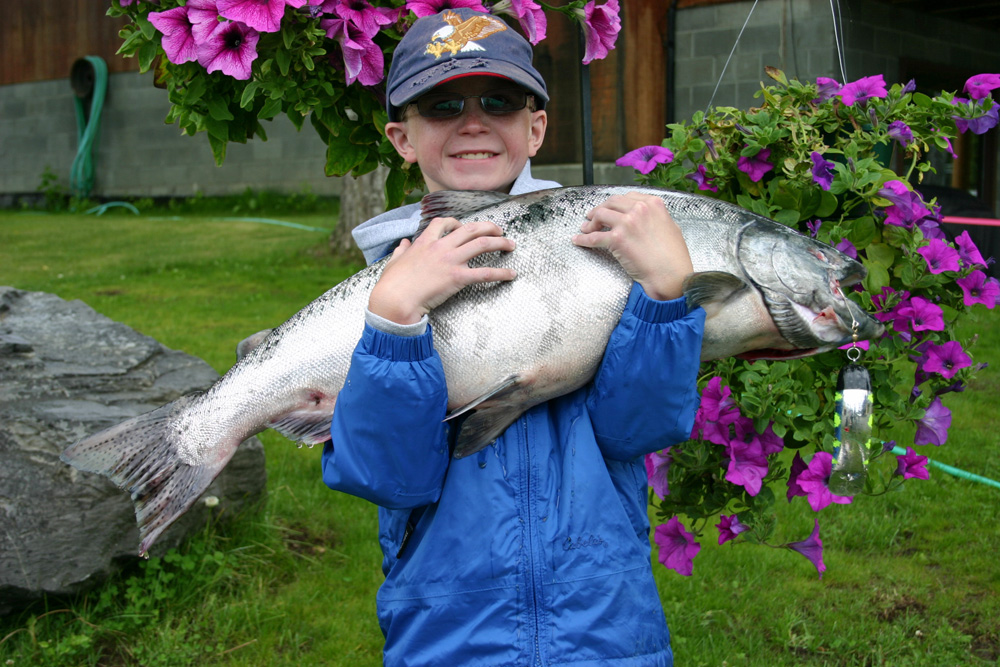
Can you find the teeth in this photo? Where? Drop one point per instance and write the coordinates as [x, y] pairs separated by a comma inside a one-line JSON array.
[[474, 156]]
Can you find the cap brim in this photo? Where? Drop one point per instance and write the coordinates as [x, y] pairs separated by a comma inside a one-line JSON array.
[[416, 85]]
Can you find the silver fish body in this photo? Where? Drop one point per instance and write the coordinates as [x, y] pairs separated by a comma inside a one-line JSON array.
[[768, 292]]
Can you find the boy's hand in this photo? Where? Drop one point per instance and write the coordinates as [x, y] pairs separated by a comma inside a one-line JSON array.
[[640, 233], [422, 275]]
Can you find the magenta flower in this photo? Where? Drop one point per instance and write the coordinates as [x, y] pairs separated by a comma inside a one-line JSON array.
[[423, 8], [822, 171], [901, 132], [261, 15], [940, 256], [231, 48], [798, 466], [826, 88], [600, 28], [980, 85], [918, 314], [907, 206], [932, 428], [967, 250], [729, 527], [846, 247], [716, 413], [977, 288], [814, 226], [912, 465], [747, 464], [657, 465], [529, 15], [645, 159], [363, 15], [811, 548], [703, 181], [813, 480], [677, 546], [945, 359], [757, 165], [363, 59], [863, 89], [178, 40], [204, 18]]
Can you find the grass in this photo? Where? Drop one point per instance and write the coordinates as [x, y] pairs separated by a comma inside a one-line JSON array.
[[912, 577]]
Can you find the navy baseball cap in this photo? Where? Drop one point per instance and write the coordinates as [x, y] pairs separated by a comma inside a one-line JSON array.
[[455, 43]]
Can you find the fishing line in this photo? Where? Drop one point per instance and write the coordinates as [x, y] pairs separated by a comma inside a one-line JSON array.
[[838, 36], [735, 44]]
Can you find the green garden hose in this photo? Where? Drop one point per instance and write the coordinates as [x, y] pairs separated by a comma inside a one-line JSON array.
[[89, 78]]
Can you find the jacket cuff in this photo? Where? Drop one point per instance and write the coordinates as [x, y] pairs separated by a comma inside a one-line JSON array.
[[650, 310], [397, 348], [388, 326]]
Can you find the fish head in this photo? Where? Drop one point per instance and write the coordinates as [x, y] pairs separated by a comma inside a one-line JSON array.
[[802, 283]]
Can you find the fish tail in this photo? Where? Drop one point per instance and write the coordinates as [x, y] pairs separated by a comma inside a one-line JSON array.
[[141, 455]]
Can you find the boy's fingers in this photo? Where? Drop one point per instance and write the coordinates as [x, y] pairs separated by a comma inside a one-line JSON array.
[[491, 274]]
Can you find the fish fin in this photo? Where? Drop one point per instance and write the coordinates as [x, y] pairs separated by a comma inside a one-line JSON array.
[[504, 386], [309, 423], [712, 286], [250, 343], [484, 426], [453, 203], [141, 455]]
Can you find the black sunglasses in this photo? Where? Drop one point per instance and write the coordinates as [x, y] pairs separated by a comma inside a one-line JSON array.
[[496, 102]]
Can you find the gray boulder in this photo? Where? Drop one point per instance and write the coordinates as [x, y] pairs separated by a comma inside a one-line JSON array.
[[66, 372]]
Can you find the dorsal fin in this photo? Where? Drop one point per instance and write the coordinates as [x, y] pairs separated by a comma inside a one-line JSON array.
[[454, 203]]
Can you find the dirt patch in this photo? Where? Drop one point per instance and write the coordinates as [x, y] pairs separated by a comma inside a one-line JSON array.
[[300, 539], [892, 606]]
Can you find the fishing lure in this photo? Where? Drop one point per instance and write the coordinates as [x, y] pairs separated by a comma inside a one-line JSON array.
[[853, 422]]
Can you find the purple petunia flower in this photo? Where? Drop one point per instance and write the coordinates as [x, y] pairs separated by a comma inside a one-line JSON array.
[[798, 466], [918, 314], [423, 8], [931, 229], [826, 88], [178, 40], [977, 288], [363, 59], [811, 548], [968, 252], [204, 18], [362, 14], [261, 15], [940, 256], [757, 165], [822, 170], [932, 428], [716, 413], [645, 159], [907, 207], [814, 227], [814, 480], [657, 465], [945, 359], [703, 181], [601, 25], [863, 89], [231, 48], [677, 546], [747, 464], [528, 13], [978, 124], [980, 85], [901, 132], [729, 527], [911, 465], [846, 247]]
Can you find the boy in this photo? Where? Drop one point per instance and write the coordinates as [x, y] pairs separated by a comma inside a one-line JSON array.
[[536, 550]]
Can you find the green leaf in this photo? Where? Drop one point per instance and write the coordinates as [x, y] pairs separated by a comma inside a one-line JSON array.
[[271, 108], [827, 204], [147, 28], [246, 101], [218, 109], [395, 191], [881, 253], [283, 59], [218, 149], [876, 279], [342, 156], [147, 54], [787, 216]]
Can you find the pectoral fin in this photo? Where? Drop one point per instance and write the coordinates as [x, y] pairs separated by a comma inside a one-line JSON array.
[[482, 426], [713, 287]]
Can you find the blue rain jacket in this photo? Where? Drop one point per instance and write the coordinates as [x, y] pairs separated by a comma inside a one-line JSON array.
[[535, 551]]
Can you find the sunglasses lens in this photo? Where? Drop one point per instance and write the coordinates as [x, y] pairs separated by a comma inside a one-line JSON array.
[[503, 101], [443, 105], [440, 105]]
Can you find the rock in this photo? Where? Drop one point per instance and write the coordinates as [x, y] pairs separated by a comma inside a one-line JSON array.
[[66, 372]]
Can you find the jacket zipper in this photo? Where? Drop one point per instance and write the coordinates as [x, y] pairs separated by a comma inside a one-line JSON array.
[[532, 574]]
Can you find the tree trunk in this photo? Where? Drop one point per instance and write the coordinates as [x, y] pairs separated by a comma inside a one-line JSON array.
[[362, 198]]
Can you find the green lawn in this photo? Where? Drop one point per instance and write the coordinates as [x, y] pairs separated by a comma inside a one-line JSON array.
[[912, 577]]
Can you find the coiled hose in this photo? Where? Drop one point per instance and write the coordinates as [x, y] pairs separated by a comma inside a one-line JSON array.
[[89, 78]]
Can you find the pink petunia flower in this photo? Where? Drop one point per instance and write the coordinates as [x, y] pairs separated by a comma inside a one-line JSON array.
[[797, 468], [932, 428], [529, 15], [863, 89], [657, 465], [940, 256], [363, 15], [645, 159], [911, 465], [601, 25], [261, 15], [729, 527], [968, 252], [747, 464], [716, 413], [977, 288], [811, 548], [755, 166], [704, 182], [423, 8], [363, 59], [980, 85], [814, 480], [901, 132], [822, 170], [231, 48], [826, 88], [178, 40], [945, 359], [677, 546]]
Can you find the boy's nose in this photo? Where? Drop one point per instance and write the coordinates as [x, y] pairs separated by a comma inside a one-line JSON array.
[[473, 118]]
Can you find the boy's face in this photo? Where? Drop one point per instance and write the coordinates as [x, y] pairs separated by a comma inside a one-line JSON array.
[[473, 150]]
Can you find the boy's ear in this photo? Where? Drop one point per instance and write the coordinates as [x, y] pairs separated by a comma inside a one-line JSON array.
[[539, 121], [400, 140]]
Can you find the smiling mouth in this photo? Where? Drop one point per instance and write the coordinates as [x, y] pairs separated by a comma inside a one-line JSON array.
[[474, 156]]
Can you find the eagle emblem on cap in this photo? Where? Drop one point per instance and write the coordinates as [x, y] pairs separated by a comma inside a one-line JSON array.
[[461, 35]]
